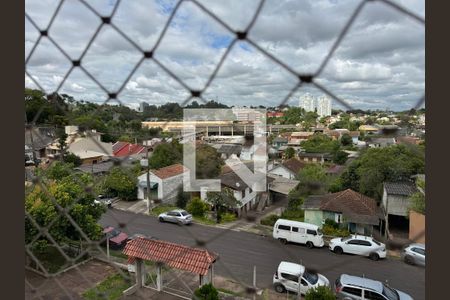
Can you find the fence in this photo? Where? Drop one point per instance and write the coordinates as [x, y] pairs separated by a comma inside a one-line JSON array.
[[62, 212]]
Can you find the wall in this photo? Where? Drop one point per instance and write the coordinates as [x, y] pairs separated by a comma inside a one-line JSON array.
[[281, 171], [90, 160], [417, 227], [398, 205], [314, 217]]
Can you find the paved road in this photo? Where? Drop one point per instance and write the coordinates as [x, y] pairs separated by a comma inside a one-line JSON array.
[[240, 251]]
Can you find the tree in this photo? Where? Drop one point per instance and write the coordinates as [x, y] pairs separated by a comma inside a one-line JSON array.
[[320, 293], [208, 162], [418, 198], [122, 183], [222, 201], [182, 198], [289, 153], [58, 170], [166, 154], [340, 157], [197, 207], [320, 143], [206, 292], [71, 158], [313, 180], [346, 140]]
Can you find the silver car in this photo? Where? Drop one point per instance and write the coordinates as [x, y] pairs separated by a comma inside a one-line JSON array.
[[414, 254], [178, 216], [349, 287]]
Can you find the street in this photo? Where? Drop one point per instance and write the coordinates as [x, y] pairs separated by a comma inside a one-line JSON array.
[[239, 252]]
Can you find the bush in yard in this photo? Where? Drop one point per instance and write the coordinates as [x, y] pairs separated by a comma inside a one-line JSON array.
[[228, 217], [197, 207], [269, 220], [332, 231], [320, 293], [206, 292], [122, 183], [293, 214], [182, 198]]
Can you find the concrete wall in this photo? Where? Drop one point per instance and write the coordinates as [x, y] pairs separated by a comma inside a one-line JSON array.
[[395, 204], [167, 191], [417, 227], [314, 217], [281, 171]]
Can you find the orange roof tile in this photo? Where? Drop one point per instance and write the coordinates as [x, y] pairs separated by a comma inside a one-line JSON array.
[[170, 171], [177, 256]]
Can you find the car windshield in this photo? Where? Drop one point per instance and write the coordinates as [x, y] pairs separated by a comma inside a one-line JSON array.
[[184, 213], [319, 232], [311, 277], [390, 293]]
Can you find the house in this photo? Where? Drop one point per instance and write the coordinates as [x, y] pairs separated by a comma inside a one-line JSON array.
[[381, 142], [369, 129], [90, 148], [352, 210], [396, 202], [164, 183], [355, 136], [254, 152], [335, 170], [275, 114], [229, 150], [279, 141], [99, 168], [280, 188], [288, 169], [297, 137], [37, 139], [314, 157], [125, 149], [407, 140]]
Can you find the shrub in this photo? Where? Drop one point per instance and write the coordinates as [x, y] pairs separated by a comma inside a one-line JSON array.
[[293, 214], [182, 198], [206, 292], [320, 293], [269, 220], [330, 230], [331, 223], [228, 217], [197, 207]]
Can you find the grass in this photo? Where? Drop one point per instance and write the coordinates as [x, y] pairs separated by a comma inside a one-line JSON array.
[[225, 291], [109, 289], [204, 220], [161, 209], [53, 261]]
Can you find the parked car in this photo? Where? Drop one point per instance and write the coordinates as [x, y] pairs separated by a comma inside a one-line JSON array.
[[117, 238], [298, 232], [179, 216], [104, 200], [349, 287], [414, 254], [286, 278], [359, 245]]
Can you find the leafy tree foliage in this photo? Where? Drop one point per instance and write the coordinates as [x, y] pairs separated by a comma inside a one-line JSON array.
[[222, 201], [289, 153], [197, 207], [208, 162], [340, 157], [71, 158], [320, 143], [313, 180], [182, 198], [346, 140], [121, 182], [58, 170], [320, 293], [166, 154], [418, 198], [206, 292]]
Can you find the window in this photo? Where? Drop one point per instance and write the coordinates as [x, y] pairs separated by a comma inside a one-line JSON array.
[[390, 293], [365, 243], [352, 291], [419, 250], [302, 230], [376, 242], [284, 227], [294, 229], [311, 277], [303, 282], [369, 295], [353, 242], [184, 213], [310, 231], [290, 277]]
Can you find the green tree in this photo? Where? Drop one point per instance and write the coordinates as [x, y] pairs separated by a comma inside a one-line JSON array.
[[222, 201], [346, 140], [206, 292], [59, 170], [340, 157], [182, 198], [320, 143], [289, 153], [418, 198], [208, 162], [313, 180], [320, 293], [122, 183], [197, 207], [166, 154], [71, 158]]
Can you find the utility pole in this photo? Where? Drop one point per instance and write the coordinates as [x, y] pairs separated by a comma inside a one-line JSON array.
[[148, 178], [107, 245]]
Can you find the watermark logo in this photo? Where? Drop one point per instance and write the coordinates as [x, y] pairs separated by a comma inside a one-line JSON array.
[[226, 126]]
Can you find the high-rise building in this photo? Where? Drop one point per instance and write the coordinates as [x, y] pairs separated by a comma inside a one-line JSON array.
[[142, 106], [307, 102], [324, 106]]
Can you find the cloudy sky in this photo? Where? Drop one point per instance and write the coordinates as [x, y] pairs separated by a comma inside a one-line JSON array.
[[379, 64]]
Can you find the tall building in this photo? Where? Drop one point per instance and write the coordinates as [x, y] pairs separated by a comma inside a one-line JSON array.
[[307, 102], [324, 106], [142, 106]]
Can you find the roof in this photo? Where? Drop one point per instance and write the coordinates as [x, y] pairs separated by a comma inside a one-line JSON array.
[[294, 165], [291, 267], [85, 154], [309, 154], [335, 169], [355, 207], [382, 141], [280, 139], [361, 282], [41, 137], [177, 256], [125, 149], [354, 133], [298, 134], [368, 128], [170, 171], [229, 149], [404, 188], [230, 179], [100, 167], [282, 185]]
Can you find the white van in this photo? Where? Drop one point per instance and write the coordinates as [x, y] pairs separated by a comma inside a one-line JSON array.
[[298, 232]]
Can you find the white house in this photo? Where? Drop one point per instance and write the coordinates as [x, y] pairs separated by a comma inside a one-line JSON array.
[[164, 183], [288, 169]]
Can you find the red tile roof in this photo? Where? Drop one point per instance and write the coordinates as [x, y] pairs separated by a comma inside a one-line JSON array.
[[121, 149], [294, 165], [170, 171], [177, 256]]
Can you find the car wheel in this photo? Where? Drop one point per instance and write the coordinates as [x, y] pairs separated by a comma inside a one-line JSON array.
[[283, 241], [374, 256], [310, 245], [338, 250], [280, 288], [161, 219], [409, 260]]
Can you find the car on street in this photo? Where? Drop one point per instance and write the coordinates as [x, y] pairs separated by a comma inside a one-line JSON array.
[[348, 287], [178, 216], [287, 275], [414, 254], [298, 232], [117, 238], [104, 200], [359, 245]]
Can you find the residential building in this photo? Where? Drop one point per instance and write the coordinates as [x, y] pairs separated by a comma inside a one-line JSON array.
[[297, 137], [381, 142], [279, 141], [314, 157], [324, 106], [143, 106], [352, 210], [164, 183], [125, 149], [307, 102], [288, 169]]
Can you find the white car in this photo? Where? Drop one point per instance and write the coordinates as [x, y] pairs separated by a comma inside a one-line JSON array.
[[178, 216], [360, 245], [286, 278]]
